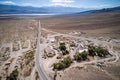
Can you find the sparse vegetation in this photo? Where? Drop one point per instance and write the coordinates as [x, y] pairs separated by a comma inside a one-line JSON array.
[[29, 56], [27, 63], [0, 77], [66, 62], [36, 77], [13, 75]]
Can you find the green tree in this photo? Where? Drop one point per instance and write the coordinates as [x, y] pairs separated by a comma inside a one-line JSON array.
[[62, 47], [81, 56], [66, 62], [92, 50], [77, 57], [84, 55], [101, 52]]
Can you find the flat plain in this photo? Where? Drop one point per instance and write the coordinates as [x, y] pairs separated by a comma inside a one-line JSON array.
[[95, 24], [105, 26]]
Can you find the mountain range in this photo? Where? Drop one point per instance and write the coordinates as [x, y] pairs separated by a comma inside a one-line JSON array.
[[101, 10], [14, 9]]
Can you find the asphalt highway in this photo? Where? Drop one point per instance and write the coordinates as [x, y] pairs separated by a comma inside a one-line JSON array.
[[40, 69]]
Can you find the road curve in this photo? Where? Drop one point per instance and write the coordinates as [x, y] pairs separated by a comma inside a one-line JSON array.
[[40, 69]]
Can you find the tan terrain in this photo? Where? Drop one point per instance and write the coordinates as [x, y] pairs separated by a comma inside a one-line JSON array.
[[95, 24], [106, 25]]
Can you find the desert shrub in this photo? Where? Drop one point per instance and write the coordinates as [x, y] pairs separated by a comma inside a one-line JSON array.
[[91, 50], [77, 57], [29, 56], [81, 56], [101, 52], [13, 75], [0, 78], [84, 55], [66, 62]]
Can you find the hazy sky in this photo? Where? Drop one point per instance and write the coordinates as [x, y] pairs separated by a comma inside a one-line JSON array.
[[67, 3]]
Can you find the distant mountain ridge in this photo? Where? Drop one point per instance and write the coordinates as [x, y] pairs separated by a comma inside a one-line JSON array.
[[14, 9], [101, 10]]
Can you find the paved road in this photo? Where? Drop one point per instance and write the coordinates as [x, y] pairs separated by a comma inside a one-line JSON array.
[[112, 59], [38, 64]]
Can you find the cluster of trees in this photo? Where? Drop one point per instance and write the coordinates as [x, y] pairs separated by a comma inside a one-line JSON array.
[[92, 51], [66, 62], [81, 56], [62, 47], [97, 51], [13, 75]]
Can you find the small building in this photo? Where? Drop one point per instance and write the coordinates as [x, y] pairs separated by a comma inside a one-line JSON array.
[[51, 54], [82, 50], [52, 39]]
